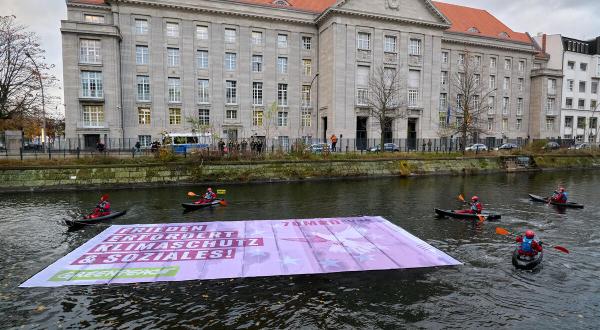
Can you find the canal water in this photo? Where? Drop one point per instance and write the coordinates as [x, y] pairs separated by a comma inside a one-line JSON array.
[[485, 292]]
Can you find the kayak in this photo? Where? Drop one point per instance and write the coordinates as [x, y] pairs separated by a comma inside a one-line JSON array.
[[526, 262], [194, 206], [454, 214], [541, 199], [85, 222]]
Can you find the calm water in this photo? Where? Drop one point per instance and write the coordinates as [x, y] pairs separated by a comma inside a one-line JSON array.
[[486, 292]]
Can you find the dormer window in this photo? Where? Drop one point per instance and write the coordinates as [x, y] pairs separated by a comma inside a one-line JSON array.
[[504, 35], [473, 30], [281, 3]]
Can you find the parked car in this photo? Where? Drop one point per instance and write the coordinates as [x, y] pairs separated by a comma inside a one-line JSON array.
[[389, 147], [477, 147], [580, 146], [318, 147], [551, 146], [508, 146]]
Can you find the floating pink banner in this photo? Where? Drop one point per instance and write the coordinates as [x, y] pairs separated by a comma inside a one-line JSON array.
[[214, 250]]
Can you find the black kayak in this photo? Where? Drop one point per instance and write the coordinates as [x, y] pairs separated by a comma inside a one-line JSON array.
[[194, 206], [526, 262], [90, 222], [453, 214], [541, 199]]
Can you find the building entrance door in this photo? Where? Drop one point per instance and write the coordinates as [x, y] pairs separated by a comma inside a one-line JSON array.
[[90, 140], [411, 134], [361, 133], [325, 129]]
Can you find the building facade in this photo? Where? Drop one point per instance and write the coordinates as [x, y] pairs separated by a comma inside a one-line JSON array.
[[283, 70]]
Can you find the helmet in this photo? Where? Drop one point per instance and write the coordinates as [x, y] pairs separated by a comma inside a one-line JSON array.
[[209, 189], [529, 234], [474, 198], [562, 189], [104, 197]]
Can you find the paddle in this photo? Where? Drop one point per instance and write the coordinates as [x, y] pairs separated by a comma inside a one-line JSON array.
[[480, 216], [193, 194], [504, 232]]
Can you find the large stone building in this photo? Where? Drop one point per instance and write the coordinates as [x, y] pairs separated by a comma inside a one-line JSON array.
[[282, 69], [578, 65]]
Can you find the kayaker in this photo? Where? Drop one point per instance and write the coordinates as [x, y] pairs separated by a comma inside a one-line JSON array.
[[208, 197], [476, 207], [560, 196], [529, 246], [102, 209]]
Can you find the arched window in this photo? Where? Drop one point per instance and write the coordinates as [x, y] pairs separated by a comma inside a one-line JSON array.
[[473, 30], [281, 3], [503, 35]]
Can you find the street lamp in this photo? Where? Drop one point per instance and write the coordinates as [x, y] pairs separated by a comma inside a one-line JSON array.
[[39, 74]]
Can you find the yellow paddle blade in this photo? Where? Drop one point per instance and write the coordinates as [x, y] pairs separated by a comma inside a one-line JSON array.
[[191, 194], [502, 231], [221, 191]]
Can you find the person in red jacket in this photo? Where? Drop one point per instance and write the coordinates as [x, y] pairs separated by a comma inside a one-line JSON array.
[[560, 196], [476, 207], [102, 209], [528, 245], [208, 197]]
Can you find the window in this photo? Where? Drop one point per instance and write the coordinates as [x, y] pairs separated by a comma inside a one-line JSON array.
[[284, 142], [445, 57], [582, 87], [594, 87], [570, 84], [414, 82], [506, 85], [306, 119], [583, 66], [257, 117], [202, 32], [202, 59], [593, 105], [97, 19], [143, 88], [581, 122], [141, 27], [174, 90], [282, 95], [476, 102], [362, 75], [477, 59], [257, 38], [507, 64], [459, 101], [493, 63], [230, 35], [461, 78], [461, 59], [549, 124], [93, 116], [364, 41], [257, 63], [569, 103], [519, 107], [519, 124], [172, 30], [141, 55], [231, 114], [521, 66], [593, 123], [91, 84], [505, 106], [306, 98], [307, 67], [203, 91], [282, 41], [443, 102], [89, 51], [282, 118], [571, 65], [173, 58], [476, 80], [444, 78], [362, 96], [282, 65], [174, 116], [306, 43], [414, 47], [521, 84], [568, 122], [257, 93], [492, 82], [230, 61], [204, 117], [581, 104], [145, 140], [231, 92], [490, 124], [491, 105], [144, 116], [389, 44], [504, 124], [552, 86], [550, 106]]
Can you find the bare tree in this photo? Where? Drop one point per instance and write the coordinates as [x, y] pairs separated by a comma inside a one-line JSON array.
[[472, 102], [384, 98], [20, 90]]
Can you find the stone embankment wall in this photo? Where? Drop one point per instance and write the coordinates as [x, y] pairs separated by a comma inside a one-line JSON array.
[[78, 177]]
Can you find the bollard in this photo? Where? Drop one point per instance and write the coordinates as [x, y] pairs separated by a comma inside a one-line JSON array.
[[78, 151], [49, 153], [21, 153]]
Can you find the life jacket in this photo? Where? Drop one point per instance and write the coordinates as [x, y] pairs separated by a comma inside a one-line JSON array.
[[104, 206], [476, 207], [210, 195], [526, 245]]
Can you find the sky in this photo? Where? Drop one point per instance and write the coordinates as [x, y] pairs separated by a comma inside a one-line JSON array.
[[573, 18]]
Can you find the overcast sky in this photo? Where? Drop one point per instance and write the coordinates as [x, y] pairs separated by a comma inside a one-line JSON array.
[[573, 18]]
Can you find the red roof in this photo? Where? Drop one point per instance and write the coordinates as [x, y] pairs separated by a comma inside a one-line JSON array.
[[465, 20], [478, 22]]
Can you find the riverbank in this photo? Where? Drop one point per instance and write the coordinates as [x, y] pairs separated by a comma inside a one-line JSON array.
[[92, 176]]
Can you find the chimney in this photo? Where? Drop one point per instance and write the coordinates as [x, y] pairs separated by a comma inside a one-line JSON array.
[[544, 43]]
